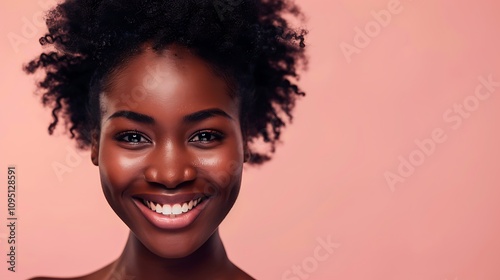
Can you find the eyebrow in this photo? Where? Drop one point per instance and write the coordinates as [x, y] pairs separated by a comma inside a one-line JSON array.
[[191, 118]]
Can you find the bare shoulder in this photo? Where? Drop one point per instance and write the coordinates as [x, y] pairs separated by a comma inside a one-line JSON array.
[[52, 278], [241, 275], [100, 274]]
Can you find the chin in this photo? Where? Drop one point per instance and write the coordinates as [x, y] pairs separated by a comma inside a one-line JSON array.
[[166, 250]]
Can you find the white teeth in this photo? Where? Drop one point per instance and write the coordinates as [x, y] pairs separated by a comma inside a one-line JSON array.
[[176, 209], [167, 209], [158, 208]]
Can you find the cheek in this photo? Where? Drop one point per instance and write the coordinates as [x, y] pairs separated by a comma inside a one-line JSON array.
[[225, 171], [117, 170], [228, 173]]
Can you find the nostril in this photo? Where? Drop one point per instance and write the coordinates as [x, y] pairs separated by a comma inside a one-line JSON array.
[[170, 177]]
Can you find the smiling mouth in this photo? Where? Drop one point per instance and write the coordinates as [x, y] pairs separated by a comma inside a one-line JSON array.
[[175, 209]]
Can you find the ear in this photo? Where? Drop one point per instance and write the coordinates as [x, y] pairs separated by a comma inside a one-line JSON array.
[[246, 153], [94, 148], [246, 150]]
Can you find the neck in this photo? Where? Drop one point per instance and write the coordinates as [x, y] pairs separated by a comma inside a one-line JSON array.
[[137, 262]]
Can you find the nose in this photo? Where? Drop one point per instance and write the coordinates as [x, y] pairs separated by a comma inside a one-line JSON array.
[[170, 166]]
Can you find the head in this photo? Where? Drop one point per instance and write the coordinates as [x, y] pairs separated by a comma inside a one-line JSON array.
[[168, 96], [176, 135]]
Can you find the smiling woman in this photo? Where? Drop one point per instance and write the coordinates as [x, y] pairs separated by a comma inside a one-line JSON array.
[[170, 144]]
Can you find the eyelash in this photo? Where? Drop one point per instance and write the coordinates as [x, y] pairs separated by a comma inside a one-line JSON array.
[[217, 135], [120, 136]]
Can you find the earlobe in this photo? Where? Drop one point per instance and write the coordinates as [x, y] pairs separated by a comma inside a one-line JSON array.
[[94, 149]]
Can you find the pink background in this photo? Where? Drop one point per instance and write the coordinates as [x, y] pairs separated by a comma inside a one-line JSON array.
[[361, 113]]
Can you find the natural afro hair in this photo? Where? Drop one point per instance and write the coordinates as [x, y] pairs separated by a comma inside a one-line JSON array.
[[248, 40]]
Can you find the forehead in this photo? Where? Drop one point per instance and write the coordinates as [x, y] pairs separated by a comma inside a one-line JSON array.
[[172, 81]]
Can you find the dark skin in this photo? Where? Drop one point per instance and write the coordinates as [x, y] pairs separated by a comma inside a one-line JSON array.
[[156, 151]]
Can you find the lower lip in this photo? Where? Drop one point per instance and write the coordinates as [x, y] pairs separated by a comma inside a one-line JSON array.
[[167, 222]]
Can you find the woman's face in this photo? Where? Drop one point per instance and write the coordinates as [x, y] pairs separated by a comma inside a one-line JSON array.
[[170, 140]]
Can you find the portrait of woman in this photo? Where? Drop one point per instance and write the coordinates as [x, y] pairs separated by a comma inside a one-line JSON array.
[[249, 139], [168, 96]]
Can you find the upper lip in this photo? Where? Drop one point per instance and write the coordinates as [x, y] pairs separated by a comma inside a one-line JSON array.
[[170, 198]]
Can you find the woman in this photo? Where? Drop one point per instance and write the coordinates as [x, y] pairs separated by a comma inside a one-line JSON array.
[[168, 96]]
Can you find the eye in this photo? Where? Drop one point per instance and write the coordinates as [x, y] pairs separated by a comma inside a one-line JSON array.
[[132, 137], [207, 136]]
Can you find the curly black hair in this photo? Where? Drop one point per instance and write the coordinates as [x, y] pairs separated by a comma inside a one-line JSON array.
[[248, 40]]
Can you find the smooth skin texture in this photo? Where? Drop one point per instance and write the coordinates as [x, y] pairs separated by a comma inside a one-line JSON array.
[[146, 146]]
